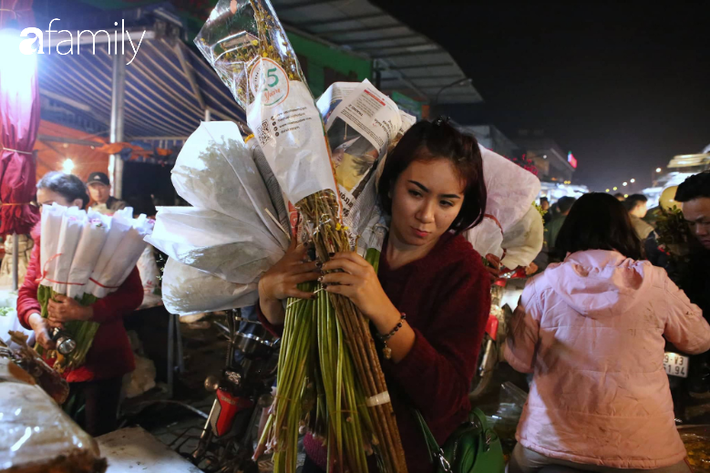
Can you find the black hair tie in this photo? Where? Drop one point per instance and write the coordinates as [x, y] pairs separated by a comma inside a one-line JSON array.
[[441, 120]]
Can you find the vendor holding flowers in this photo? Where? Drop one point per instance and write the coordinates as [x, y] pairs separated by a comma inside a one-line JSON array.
[[99, 380], [430, 300]]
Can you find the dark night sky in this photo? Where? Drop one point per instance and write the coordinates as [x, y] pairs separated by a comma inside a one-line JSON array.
[[624, 87]]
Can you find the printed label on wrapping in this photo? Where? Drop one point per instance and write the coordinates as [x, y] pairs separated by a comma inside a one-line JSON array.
[[292, 137]]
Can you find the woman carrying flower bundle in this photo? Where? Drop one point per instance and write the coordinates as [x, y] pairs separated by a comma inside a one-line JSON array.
[[429, 303], [110, 357], [592, 330]]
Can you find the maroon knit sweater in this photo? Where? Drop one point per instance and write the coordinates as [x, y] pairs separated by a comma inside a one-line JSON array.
[[446, 296]]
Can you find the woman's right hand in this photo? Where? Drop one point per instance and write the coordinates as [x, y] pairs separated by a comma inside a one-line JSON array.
[[282, 280], [41, 330]]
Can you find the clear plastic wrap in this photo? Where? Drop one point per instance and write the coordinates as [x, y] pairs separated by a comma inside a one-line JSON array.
[[35, 434], [216, 243], [187, 290], [247, 46]]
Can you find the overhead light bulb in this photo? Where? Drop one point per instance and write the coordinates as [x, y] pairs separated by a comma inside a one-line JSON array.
[[658, 169], [68, 166], [624, 183], [632, 181]]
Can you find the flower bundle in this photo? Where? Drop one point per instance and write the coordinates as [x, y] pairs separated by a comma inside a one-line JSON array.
[[90, 257], [327, 350]]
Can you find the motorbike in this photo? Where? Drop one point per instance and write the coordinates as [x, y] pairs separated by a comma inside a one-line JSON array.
[[677, 366], [242, 392], [491, 352]]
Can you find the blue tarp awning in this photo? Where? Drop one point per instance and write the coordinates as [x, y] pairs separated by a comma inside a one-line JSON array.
[[168, 90]]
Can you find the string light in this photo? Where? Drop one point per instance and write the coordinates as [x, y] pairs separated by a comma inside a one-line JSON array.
[[615, 188], [658, 169]]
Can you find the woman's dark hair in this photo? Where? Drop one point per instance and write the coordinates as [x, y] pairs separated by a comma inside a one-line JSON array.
[[598, 221], [427, 141], [67, 185]]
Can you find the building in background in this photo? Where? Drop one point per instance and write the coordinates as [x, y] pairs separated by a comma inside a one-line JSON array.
[[553, 164], [494, 139]]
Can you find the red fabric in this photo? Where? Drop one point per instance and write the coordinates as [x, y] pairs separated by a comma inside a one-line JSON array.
[[19, 122], [446, 296], [110, 355]]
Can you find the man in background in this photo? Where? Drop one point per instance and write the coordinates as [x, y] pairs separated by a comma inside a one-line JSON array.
[[636, 205], [545, 205], [102, 201], [694, 278], [552, 229]]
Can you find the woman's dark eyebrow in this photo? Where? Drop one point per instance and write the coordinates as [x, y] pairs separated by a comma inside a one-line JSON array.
[[444, 196]]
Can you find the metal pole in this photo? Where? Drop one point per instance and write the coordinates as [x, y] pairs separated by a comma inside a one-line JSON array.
[[208, 115], [15, 261], [118, 95]]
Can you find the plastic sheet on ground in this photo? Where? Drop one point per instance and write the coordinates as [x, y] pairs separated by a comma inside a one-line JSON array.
[[35, 434]]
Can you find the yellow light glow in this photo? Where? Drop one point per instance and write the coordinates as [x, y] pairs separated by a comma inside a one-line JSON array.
[[615, 188], [607, 190], [626, 196]]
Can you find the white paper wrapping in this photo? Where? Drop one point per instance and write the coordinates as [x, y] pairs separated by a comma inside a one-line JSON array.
[[216, 243], [93, 238], [523, 241], [120, 223], [290, 132], [123, 260], [511, 192], [187, 290], [216, 170], [73, 222], [51, 226]]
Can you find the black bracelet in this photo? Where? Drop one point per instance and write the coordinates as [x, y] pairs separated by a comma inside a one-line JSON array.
[[387, 351], [384, 338]]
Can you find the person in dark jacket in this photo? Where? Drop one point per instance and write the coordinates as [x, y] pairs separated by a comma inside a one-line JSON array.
[[99, 380], [694, 278], [100, 191], [432, 186]]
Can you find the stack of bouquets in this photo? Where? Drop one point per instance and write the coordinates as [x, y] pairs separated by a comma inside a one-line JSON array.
[[86, 256]]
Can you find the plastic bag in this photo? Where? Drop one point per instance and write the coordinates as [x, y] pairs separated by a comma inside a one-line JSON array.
[[187, 290], [216, 243], [511, 192]]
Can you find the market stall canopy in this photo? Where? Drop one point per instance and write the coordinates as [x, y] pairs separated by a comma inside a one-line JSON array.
[[169, 90], [56, 144], [408, 61]]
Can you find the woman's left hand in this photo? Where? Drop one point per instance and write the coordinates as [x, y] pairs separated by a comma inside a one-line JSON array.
[[357, 280], [62, 309]]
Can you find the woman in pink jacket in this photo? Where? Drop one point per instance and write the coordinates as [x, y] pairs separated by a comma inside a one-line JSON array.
[[591, 330]]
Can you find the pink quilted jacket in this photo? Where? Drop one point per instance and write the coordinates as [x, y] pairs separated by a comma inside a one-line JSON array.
[[592, 330]]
